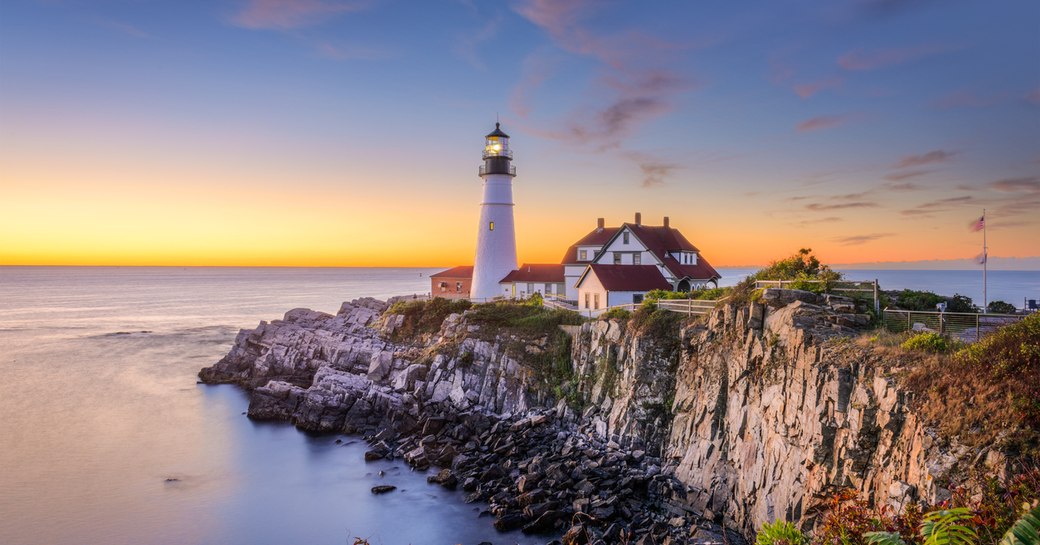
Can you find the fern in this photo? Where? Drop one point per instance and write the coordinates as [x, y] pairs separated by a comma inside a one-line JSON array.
[[945, 527], [1025, 531], [884, 538]]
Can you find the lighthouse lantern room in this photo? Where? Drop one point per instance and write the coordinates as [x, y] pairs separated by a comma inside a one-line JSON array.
[[496, 236]]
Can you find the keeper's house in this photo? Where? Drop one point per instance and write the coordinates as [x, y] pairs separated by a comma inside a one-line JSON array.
[[609, 266]]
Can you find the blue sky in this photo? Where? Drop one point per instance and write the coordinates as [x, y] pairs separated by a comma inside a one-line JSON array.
[[871, 130]]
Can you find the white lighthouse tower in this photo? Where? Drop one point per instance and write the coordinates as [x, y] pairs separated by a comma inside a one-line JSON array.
[[496, 237]]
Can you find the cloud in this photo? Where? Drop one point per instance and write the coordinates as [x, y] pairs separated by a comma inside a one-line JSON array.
[[927, 209], [822, 122], [124, 28], [828, 219], [934, 156], [290, 14], [1033, 96], [968, 99], [630, 90], [817, 206], [350, 53], [1017, 185], [859, 59], [890, 8], [903, 186], [807, 90], [861, 239], [900, 176], [654, 174], [468, 44]]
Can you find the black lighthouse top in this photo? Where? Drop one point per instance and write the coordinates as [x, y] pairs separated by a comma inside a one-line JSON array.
[[497, 155]]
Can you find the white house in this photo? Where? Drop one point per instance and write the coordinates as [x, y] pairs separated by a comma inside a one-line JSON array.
[[543, 279], [638, 258]]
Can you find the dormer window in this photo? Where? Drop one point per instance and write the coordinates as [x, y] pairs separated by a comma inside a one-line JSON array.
[[583, 255]]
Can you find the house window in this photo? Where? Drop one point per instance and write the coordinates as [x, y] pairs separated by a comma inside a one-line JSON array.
[[624, 237], [586, 300], [595, 301], [530, 287], [637, 298], [491, 226], [617, 258], [637, 258], [443, 286], [458, 287], [548, 289], [583, 255]]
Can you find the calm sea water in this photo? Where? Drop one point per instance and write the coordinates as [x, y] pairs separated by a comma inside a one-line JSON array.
[[99, 408]]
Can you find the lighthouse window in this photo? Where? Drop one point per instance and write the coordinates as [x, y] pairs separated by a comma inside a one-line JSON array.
[[491, 226]]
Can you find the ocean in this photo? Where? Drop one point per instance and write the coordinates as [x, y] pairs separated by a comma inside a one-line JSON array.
[[107, 437]]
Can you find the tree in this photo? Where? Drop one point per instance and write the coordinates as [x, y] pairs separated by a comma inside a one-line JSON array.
[[1000, 307], [960, 303]]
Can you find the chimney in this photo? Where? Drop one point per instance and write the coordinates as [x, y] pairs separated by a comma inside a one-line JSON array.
[[639, 218], [599, 224], [666, 221]]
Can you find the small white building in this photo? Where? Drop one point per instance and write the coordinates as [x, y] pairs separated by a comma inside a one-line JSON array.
[[545, 279]]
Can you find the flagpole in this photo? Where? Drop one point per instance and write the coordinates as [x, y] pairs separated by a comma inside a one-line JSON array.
[[985, 264]]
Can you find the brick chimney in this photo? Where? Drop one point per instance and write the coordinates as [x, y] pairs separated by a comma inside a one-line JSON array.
[[639, 218], [599, 224], [666, 221]]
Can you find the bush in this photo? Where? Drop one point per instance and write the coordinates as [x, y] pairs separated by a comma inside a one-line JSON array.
[[424, 317], [930, 342], [616, 313], [803, 268], [780, 533], [917, 300], [1000, 307], [960, 303]]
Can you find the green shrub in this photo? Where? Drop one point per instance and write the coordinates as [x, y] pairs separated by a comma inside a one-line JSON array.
[[960, 303], [780, 533], [616, 313], [1001, 307], [917, 300], [424, 317], [930, 342], [803, 267]]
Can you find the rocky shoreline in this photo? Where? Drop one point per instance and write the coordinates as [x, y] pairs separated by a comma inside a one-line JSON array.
[[537, 468], [697, 433]]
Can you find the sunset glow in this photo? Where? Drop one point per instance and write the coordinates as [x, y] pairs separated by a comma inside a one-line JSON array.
[[333, 133]]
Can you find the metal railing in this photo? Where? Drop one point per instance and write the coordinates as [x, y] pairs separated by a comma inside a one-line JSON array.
[[965, 326], [483, 170], [845, 286]]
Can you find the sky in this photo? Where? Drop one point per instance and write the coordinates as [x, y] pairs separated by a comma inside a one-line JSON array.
[[349, 132]]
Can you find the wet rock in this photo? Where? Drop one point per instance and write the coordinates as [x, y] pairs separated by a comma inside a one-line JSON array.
[[383, 488]]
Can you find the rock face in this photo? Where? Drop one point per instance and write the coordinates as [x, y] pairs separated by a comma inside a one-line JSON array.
[[743, 418]]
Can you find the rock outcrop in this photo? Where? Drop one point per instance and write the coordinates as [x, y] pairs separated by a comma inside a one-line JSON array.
[[750, 415]]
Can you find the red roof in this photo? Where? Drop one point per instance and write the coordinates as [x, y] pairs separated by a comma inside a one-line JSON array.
[[536, 272], [462, 271], [598, 237], [661, 241], [628, 277]]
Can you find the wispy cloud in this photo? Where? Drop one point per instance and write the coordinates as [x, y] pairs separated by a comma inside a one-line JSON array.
[[861, 239], [123, 28], [928, 209], [969, 99], [860, 59], [468, 44], [934, 156], [820, 206], [291, 14], [828, 219], [807, 90], [1017, 185], [341, 52], [900, 176], [822, 122], [630, 91], [901, 186]]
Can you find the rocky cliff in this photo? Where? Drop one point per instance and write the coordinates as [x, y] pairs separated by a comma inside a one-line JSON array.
[[749, 415]]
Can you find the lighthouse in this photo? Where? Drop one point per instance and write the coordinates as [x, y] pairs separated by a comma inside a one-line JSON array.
[[496, 237]]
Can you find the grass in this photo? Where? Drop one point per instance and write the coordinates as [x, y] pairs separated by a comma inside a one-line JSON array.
[[987, 391], [424, 318]]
